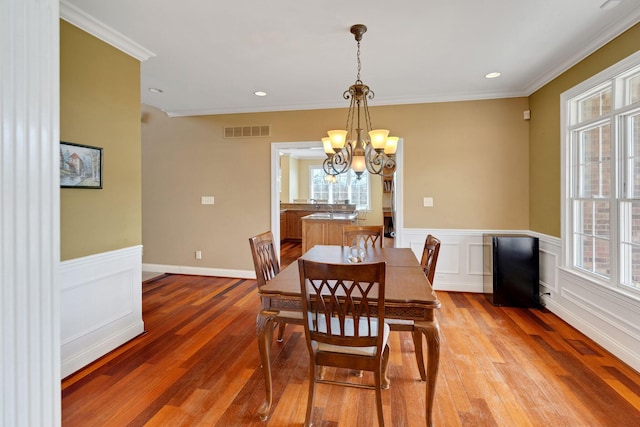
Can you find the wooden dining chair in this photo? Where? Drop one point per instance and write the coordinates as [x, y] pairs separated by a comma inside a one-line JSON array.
[[343, 310], [373, 235], [430, 257], [266, 265], [428, 262]]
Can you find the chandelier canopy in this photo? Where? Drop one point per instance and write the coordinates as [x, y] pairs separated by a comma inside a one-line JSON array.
[[359, 148]]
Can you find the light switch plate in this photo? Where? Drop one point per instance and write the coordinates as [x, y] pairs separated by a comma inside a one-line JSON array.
[[207, 200], [428, 202]]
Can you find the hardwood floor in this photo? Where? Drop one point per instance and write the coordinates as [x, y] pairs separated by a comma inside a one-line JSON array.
[[289, 252], [198, 365]]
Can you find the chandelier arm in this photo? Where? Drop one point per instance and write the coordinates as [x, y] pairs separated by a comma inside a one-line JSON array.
[[328, 168], [389, 167], [379, 163], [347, 95], [367, 117], [373, 161], [339, 162], [352, 110]]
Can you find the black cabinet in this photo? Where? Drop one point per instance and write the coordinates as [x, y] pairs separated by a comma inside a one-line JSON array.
[[511, 270]]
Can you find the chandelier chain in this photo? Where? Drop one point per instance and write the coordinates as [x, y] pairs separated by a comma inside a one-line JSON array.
[[359, 63]]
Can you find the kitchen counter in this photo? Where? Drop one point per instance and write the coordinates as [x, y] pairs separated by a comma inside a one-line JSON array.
[[291, 215], [323, 216], [325, 228]]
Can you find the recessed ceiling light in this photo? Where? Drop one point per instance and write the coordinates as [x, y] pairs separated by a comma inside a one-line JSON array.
[[492, 75], [260, 93], [155, 90]]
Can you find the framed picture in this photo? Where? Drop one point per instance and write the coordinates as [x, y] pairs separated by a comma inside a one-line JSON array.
[[80, 166]]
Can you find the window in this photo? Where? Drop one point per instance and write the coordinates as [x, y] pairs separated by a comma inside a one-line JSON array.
[[602, 175], [347, 187]]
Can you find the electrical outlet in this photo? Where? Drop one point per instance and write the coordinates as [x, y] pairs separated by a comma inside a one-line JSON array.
[[207, 200], [427, 202], [198, 254]]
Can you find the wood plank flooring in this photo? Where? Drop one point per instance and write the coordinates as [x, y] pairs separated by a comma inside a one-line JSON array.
[[198, 365]]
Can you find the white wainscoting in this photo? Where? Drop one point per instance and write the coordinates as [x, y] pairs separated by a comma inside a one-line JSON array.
[[610, 317], [101, 305], [460, 262]]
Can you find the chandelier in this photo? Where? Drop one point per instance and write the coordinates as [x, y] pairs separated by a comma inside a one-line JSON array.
[[352, 148]]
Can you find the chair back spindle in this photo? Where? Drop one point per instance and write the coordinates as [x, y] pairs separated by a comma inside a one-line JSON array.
[[363, 235], [265, 260], [429, 258]]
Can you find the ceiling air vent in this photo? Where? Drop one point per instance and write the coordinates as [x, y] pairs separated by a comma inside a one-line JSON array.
[[247, 131]]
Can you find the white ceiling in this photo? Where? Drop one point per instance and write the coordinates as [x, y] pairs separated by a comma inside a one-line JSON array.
[[210, 56]]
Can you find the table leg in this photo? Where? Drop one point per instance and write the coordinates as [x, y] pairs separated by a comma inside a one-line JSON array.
[[417, 346], [431, 331], [264, 330]]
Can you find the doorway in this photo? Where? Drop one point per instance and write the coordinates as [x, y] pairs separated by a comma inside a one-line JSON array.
[[277, 148]]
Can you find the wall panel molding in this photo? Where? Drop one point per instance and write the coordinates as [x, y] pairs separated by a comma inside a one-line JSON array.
[[101, 305]]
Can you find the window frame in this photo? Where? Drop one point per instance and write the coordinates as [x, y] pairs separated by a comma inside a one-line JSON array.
[[313, 168], [615, 77]]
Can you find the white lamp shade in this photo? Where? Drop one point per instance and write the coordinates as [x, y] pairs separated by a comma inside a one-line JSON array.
[[338, 138], [326, 144], [358, 164], [392, 145], [378, 138]]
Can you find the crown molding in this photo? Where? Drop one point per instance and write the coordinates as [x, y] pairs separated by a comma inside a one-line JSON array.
[[76, 16], [597, 41], [454, 97]]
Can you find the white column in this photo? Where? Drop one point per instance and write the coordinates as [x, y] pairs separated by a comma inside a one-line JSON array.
[[29, 213]]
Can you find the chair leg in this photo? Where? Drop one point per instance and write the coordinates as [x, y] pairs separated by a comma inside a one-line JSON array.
[[385, 368], [378, 385], [311, 394], [281, 327], [417, 345]]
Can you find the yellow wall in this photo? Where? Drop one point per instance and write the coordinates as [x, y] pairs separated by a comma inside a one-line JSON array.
[[471, 157], [100, 106], [545, 131]]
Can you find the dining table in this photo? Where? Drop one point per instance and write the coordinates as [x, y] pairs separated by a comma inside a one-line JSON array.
[[408, 296]]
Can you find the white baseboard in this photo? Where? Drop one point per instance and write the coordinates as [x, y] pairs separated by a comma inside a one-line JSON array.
[[620, 348], [200, 271], [101, 305]]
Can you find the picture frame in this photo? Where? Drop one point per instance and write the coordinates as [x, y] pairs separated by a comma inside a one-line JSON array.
[[80, 166]]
